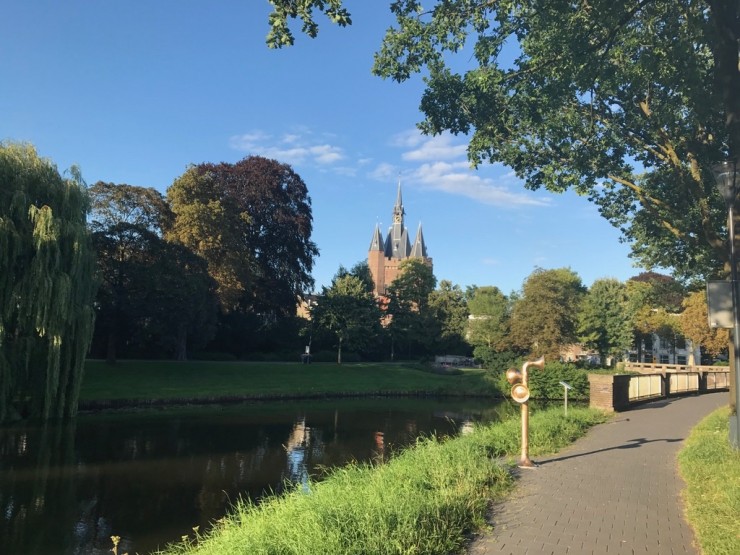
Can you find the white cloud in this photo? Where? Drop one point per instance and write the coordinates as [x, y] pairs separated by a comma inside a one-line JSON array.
[[407, 139], [326, 154], [291, 148], [384, 172], [440, 147], [450, 178]]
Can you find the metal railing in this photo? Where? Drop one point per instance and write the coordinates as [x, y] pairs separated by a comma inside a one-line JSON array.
[[645, 387]]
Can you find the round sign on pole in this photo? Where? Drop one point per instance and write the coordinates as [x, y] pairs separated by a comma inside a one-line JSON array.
[[520, 393]]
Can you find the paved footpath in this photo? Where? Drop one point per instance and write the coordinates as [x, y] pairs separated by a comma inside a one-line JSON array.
[[616, 490]]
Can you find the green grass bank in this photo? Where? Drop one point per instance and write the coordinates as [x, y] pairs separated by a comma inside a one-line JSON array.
[[149, 382], [711, 470], [426, 499]]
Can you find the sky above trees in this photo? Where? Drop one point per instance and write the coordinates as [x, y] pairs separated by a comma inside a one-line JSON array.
[[134, 93]]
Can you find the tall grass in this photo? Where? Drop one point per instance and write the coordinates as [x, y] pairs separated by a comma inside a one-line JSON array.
[[711, 469], [427, 499]]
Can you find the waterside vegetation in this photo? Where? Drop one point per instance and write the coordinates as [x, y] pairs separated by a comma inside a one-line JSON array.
[[711, 470], [427, 499]]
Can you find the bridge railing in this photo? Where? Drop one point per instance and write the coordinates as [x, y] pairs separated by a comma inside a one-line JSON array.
[[620, 391]]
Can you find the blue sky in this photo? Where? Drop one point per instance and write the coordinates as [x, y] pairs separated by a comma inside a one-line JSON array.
[[133, 92]]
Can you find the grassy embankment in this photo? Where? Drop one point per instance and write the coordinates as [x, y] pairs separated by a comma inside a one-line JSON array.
[[143, 382], [428, 499], [711, 469]]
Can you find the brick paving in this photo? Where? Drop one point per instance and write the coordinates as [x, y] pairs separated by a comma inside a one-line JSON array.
[[616, 490]]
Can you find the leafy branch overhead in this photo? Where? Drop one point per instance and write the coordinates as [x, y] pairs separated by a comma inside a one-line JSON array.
[[627, 102]]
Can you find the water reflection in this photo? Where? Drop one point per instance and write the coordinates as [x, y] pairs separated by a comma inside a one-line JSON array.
[[150, 477]]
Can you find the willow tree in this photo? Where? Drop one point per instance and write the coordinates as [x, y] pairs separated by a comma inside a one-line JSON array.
[[47, 285]]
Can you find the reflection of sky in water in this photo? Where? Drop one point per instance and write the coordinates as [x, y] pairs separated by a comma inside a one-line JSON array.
[[297, 448]]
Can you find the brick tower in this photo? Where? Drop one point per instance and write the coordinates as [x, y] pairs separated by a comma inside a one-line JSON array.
[[384, 256]]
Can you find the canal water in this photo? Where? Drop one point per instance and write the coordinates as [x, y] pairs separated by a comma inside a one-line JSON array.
[[151, 476]]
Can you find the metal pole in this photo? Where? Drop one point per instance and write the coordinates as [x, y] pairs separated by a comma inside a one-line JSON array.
[[525, 461], [735, 419], [566, 401]]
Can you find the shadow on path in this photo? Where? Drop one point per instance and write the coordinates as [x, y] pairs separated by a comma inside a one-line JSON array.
[[631, 444]]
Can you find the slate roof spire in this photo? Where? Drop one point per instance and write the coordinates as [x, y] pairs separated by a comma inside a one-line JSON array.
[[397, 244], [377, 243], [420, 248]]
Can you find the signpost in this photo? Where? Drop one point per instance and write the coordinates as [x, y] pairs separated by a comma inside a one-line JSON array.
[[566, 387]]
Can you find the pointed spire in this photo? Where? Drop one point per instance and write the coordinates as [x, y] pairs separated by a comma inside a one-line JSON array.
[[419, 250], [398, 211], [377, 243]]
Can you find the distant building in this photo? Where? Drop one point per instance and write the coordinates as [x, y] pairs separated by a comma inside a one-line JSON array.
[[385, 255], [305, 304], [655, 350]]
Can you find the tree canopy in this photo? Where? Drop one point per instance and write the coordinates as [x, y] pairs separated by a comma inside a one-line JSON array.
[[604, 322], [252, 223], [349, 310], [154, 293], [545, 318], [47, 285], [412, 321], [626, 101], [694, 324]]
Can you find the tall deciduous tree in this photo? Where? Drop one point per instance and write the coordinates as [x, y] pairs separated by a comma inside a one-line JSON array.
[[490, 313], [488, 327], [626, 101], [153, 294], [411, 321], [252, 223], [450, 310], [604, 323], [348, 310], [653, 300], [46, 285], [545, 318]]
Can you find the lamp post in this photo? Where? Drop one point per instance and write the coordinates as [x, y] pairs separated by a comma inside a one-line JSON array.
[[725, 174]]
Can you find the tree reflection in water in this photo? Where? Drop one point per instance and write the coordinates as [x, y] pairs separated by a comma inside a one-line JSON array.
[[151, 476]]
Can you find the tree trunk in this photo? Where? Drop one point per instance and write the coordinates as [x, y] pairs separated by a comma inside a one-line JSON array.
[[339, 352], [181, 349], [110, 356]]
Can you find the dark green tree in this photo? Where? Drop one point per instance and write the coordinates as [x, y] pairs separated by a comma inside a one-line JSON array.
[[604, 322], [412, 323], [625, 101], [490, 312], [47, 285], [349, 312], [545, 318], [488, 327], [153, 294], [450, 310]]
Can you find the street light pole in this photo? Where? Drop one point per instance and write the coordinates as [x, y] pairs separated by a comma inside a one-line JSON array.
[[725, 174]]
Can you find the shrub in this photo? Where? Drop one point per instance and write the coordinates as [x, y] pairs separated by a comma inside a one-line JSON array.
[[545, 384]]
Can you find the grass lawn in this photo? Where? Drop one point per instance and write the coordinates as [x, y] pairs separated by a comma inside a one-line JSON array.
[[711, 469], [148, 380]]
